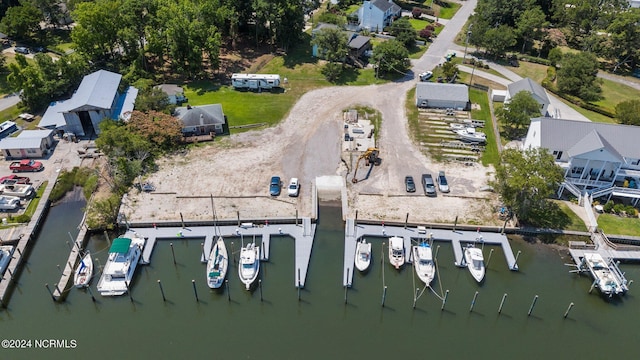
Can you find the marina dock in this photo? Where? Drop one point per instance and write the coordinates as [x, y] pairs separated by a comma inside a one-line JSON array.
[[459, 239]]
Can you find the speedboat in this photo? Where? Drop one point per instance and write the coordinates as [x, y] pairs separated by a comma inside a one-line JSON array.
[[217, 264], [471, 135], [423, 262], [396, 251], [363, 255], [84, 271], [9, 202], [609, 281], [124, 254], [475, 262], [249, 264], [6, 251]]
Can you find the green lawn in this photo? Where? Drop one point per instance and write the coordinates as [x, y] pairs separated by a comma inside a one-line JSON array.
[[490, 154], [449, 11], [418, 24], [615, 93], [536, 72], [591, 115], [616, 225], [576, 223]]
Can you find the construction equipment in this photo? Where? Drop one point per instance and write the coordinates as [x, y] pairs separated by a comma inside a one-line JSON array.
[[371, 157]]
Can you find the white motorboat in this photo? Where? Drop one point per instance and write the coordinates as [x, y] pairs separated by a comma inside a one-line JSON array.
[[363, 255], [9, 202], [6, 251], [84, 271], [249, 266], [396, 251], [456, 126], [118, 271], [217, 264], [423, 262], [19, 190], [606, 278], [475, 262], [471, 135]]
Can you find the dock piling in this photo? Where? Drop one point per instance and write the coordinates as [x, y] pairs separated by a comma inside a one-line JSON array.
[[129, 291], [515, 263], [233, 252], [406, 220], [182, 220], [489, 259], [437, 249], [19, 251], [473, 302], [226, 282], [260, 286], [593, 284], [415, 297], [161, 290], [203, 255], [58, 266], [50, 293], [195, 291], [173, 253], [10, 273], [504, 297], [533, 303], [57, 289], [384, 295], [566, 313], [345, 293], [444, 300], [455, 223]]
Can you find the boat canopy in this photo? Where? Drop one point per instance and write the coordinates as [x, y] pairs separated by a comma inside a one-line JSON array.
[[120, 246]]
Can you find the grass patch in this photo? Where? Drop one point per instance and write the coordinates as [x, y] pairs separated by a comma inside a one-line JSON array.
[[591, 115], [67, 180], [33, 204], [575, 223], [12, 113], [417, 52], [447, 12], [616, 225], [615, 93], [412, 114], [536, 72], [490, 156], [418, 24]]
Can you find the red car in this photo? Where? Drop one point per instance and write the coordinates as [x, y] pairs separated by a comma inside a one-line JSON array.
[[26, 165]]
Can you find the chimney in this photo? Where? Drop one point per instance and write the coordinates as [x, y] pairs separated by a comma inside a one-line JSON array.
[[201, 120]]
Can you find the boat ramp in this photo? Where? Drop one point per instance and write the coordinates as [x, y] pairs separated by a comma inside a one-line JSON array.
[[355, 231]]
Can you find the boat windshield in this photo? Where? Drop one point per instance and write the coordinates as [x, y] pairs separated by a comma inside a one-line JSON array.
[[247, 266], [397, 252], [477, 264]]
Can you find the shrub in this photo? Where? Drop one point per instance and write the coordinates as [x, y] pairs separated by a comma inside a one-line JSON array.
[[618, 208], [416, 13], [425, 33], [630, 210], [608, 207], [23, 218]]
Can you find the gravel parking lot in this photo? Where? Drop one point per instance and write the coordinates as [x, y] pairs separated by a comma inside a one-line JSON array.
[[236, 170]]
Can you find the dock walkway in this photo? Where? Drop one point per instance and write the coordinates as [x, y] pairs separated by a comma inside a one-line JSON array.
[[459, 239]]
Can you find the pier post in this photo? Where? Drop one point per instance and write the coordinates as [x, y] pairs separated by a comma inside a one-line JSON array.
[[532, 305], [566, 313], [173, 253], [406, 220], [203, 254], [161, 290], [444, 300], [129, 291], [233, 252], [71, 266], [346, 289], [238, 216], [384, 295], [93, 298], [19, 251], [415, 297], [182, 219], [515, 263], [50, 293], [260, 286], [57, 288], [298, 284], [69, 245], [10, 273], [489, 259], [473, 302], [504, 297], [106, 236], [195, 291], [593, 285], [455, 223], [226, 282], [58, 266], [437, 249]]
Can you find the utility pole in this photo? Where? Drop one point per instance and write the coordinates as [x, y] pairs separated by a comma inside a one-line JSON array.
[[466, 43]]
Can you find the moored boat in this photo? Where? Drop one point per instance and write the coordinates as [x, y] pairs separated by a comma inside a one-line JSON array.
[[217, 264], [609, 281], [118, 271], [423, 262], [6, 251], [363, 255], [84, 271], [249, 266], [396, 251], [475, 262]]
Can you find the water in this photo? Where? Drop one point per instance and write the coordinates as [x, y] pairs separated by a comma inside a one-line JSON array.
[[320, 325]]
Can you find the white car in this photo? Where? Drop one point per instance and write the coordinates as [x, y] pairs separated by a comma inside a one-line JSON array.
[[425, 76], [294, 187]]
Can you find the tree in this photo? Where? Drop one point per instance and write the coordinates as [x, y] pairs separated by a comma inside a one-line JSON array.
[[517, 115], [404, 32], [555, 56], [153, 98], [416, 12], [530, 26], [524, 180], [449, 69], [498, 40], [21, 22], [628, 112], [622, 46], [577, 76], [331, 44], [391, 56], [162, 130]]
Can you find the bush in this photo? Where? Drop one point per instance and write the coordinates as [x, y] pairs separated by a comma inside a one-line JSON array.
[[425, 33], [618, 208], [24, 218], [416, 13], [630, 210], [608, 207], [534, 59]]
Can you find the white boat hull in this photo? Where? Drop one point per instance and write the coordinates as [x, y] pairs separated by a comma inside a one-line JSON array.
[[363, 255], [119, 269], [423, 264], [84, 272], [396, 251], [217, 264], [249, 266], [475, 262]]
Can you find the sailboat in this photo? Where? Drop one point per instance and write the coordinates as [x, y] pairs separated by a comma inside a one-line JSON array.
[[218, 261], [83, 273]]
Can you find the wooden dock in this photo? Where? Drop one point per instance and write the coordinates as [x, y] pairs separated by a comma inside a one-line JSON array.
[[459, 239], [76, 253]]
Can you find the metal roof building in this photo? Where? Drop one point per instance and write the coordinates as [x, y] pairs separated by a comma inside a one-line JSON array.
[[440, 95]]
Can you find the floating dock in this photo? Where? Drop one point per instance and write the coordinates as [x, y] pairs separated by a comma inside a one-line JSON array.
[[354, 231]]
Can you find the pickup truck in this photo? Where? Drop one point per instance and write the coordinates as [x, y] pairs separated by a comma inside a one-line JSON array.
[[14, 179], [26, 165]]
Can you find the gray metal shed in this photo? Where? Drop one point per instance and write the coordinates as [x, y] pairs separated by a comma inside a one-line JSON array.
[[439, 95]]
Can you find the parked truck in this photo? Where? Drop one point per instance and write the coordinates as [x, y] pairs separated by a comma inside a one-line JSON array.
[[26, 165]]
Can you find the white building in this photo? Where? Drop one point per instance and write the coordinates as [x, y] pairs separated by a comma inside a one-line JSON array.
[[442, 95], [375, 15]]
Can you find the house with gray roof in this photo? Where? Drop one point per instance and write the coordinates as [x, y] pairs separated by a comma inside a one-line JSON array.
[[202, 120], [442, 95], [97, 98], [28, 144], [536, 90], [174, 92], [375, 15], [596, 158], [356, 43]]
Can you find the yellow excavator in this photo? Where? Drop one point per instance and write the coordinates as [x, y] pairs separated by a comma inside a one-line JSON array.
[[371, 157]]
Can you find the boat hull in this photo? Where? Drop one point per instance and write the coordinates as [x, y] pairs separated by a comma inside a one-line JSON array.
[[114, 282], [217, 265], [396, 252], [249, 266], [475, 263], [424, 266], [363, 256], [84, 272]]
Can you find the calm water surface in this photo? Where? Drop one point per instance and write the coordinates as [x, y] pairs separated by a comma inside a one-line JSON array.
[[320, 325]]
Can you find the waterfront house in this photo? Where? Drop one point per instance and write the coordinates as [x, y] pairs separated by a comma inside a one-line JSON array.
[[202, 120], [598, 159], [442, 95], [536, 90], [375, 15], [97, 98]]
